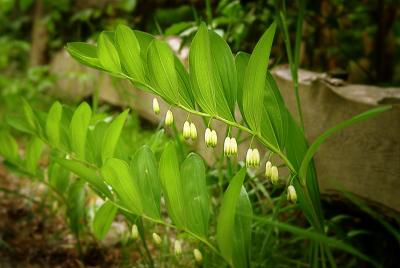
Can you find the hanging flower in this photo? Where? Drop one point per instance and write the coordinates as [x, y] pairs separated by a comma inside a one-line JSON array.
[[156, 106], [197, 255], [230, 146], [135, 232], [186, 130], [210, 138], [169, 118], [178, 247], [274, 175], [252, 158], [291, 194], [156, 239], [268, 167], [193, 131]]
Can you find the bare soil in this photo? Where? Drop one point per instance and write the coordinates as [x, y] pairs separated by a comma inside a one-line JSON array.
[[32, 234]]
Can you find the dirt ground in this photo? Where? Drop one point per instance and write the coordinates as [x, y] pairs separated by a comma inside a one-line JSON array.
[[33, 235]]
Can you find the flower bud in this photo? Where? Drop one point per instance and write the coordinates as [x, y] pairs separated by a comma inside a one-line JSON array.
[[156, 239], [135, 232], [193, 131], [214, 138], [230, 146], [255, 158], [234, 146], [274, 175], [291, 194], [178, 247], [186, 130], [268, 167], [227, 146], [197, 255], [156, 107], [169, 118]]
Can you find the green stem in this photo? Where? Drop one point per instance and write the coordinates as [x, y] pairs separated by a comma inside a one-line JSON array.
[[251, 132], [202, 239], [294, 63], [146, 248], [209, 12]]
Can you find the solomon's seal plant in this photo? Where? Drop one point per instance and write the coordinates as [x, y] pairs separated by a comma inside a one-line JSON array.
[[215, 85]]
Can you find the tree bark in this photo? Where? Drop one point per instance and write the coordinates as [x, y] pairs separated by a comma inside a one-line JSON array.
[[37, 55]]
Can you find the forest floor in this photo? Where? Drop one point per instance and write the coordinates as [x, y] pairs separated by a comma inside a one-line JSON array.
[[32, 235]]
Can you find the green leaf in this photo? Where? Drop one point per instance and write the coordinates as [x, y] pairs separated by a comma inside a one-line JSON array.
[[161, 66], [108, 55], [86, 173], [254, 80], [116, 173], [84, 53], [53, 124], [65, 129], [171, 184], [308, 196], [103, 219], [200, 73], [31, 118], [241, 61], [112, 135], [195, 194], [95, 143], [208, 54], [8, 146], [230, 223], [274, 125], [168, 76], [224, 69], [58, 177], [177, 28], [33, 152], [144, 170], [144, 40], [242, 231], [314, 147], [76, 206], [317, 237], [129, 51], [78, 129], [20, 124]]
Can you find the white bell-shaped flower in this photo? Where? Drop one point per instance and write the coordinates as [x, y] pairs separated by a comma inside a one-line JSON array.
[[169, 118], [156, 106], [186, 130], [291, 194], [193, 131], [274, 175]]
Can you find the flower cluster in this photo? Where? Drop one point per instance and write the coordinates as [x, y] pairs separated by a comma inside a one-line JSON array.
[[230, 146], [252, 158], [271, 172], [210, 138], [177, 247], [189, 131]]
